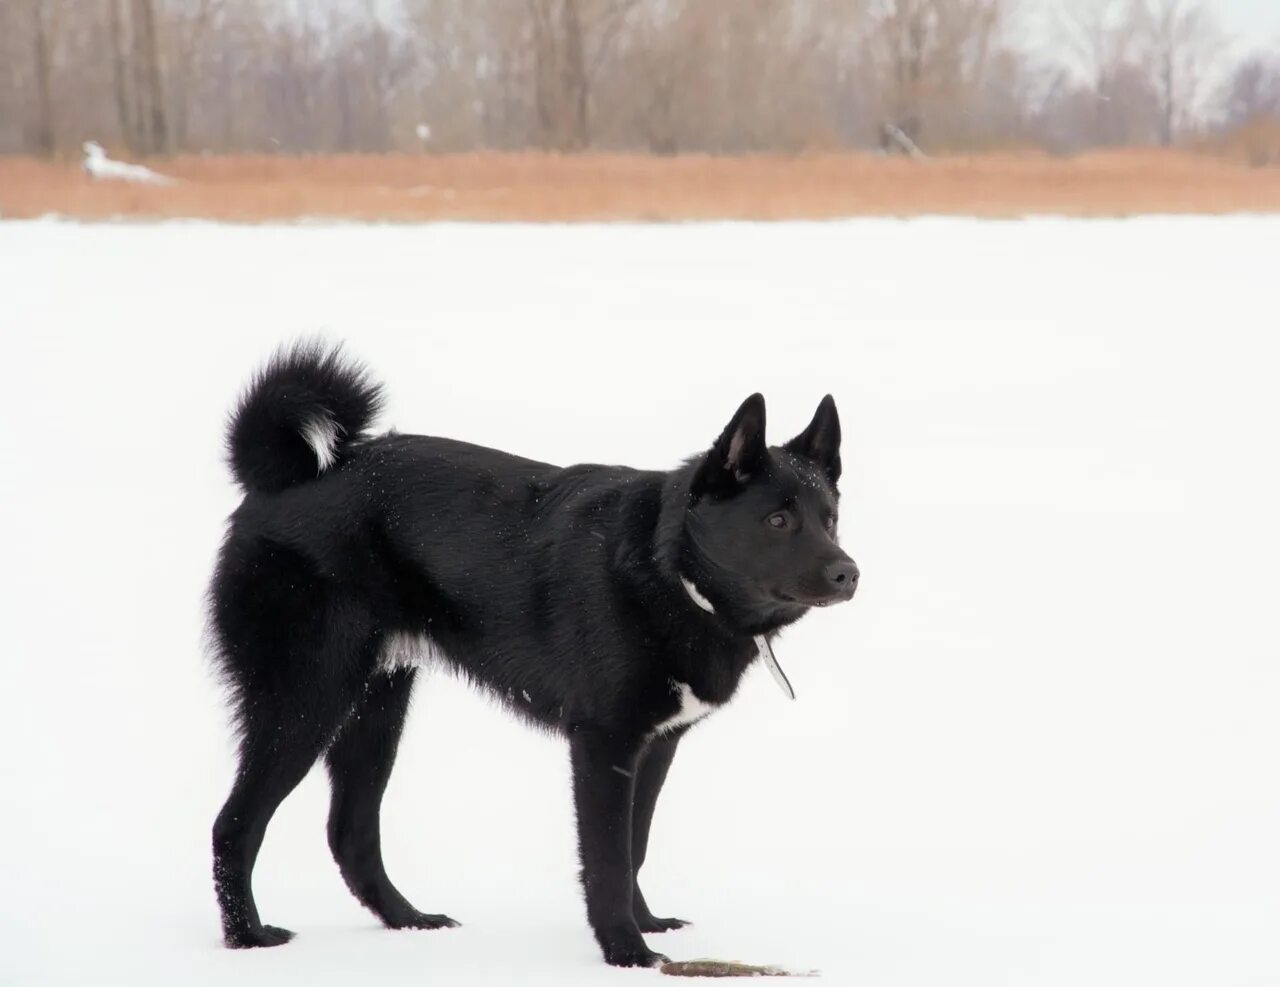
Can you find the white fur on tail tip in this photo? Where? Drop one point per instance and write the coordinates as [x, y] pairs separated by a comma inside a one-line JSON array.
[[322, 435]]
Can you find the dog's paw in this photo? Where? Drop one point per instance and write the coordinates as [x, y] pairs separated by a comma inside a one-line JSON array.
[[633, 956], [623, 946], [650, 923], [263, 935], [421, 920]]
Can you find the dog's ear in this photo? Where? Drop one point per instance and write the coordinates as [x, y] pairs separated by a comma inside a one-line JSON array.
[[738, 454], [820, 442]]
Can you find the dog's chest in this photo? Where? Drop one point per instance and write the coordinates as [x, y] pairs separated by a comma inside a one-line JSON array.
[[691, 709], [715, 673]]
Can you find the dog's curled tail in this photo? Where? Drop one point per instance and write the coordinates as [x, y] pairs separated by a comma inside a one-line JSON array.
[[298, 416]]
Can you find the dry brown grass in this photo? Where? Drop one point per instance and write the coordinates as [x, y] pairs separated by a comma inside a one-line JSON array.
[[1256, 144], [542, 187]]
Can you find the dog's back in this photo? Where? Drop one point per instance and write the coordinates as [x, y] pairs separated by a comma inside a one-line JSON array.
[[504, 567]]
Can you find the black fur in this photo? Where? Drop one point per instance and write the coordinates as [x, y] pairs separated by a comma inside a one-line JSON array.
[[561, 590], [301, 385]]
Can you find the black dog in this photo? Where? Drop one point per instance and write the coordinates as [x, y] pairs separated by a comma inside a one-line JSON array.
[[612, 605]]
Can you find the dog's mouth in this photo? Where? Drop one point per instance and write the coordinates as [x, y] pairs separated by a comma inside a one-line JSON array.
[[812, 601], [793, 601]]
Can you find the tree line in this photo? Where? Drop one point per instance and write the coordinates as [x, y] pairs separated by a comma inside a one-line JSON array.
[[658, 76]]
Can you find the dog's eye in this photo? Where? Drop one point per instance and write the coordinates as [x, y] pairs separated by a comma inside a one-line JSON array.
[[779, 520], [830, 523]]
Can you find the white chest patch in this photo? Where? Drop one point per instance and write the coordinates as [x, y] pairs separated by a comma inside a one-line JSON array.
[[691, 710]]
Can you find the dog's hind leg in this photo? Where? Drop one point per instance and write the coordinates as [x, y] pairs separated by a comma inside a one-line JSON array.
[[296, 678], [276, 753], [650, 775], [360, 763]]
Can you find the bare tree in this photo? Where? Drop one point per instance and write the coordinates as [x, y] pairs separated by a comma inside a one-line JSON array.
[[716, 76], [155, 119], [121, 76], [44, 36], [932, 61], [1253, 92], [571, 40], [187, 31], [907, 30], [1182, 41], [1104, 41]]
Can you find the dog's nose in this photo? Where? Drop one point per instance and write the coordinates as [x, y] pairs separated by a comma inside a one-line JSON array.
[[843, 576]]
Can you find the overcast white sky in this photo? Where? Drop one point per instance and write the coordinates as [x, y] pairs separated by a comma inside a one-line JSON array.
[[1252, 23], [1252, 20]]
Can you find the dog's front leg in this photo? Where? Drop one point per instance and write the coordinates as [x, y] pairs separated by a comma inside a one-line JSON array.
[[652, 772], [604, 769]]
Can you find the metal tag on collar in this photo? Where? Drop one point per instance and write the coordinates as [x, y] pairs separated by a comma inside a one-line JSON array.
[[771, 663]]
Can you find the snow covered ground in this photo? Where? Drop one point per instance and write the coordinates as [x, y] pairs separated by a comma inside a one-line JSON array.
[[1040, 748]]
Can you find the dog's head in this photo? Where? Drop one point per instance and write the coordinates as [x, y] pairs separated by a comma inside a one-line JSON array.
[[762, 520]]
